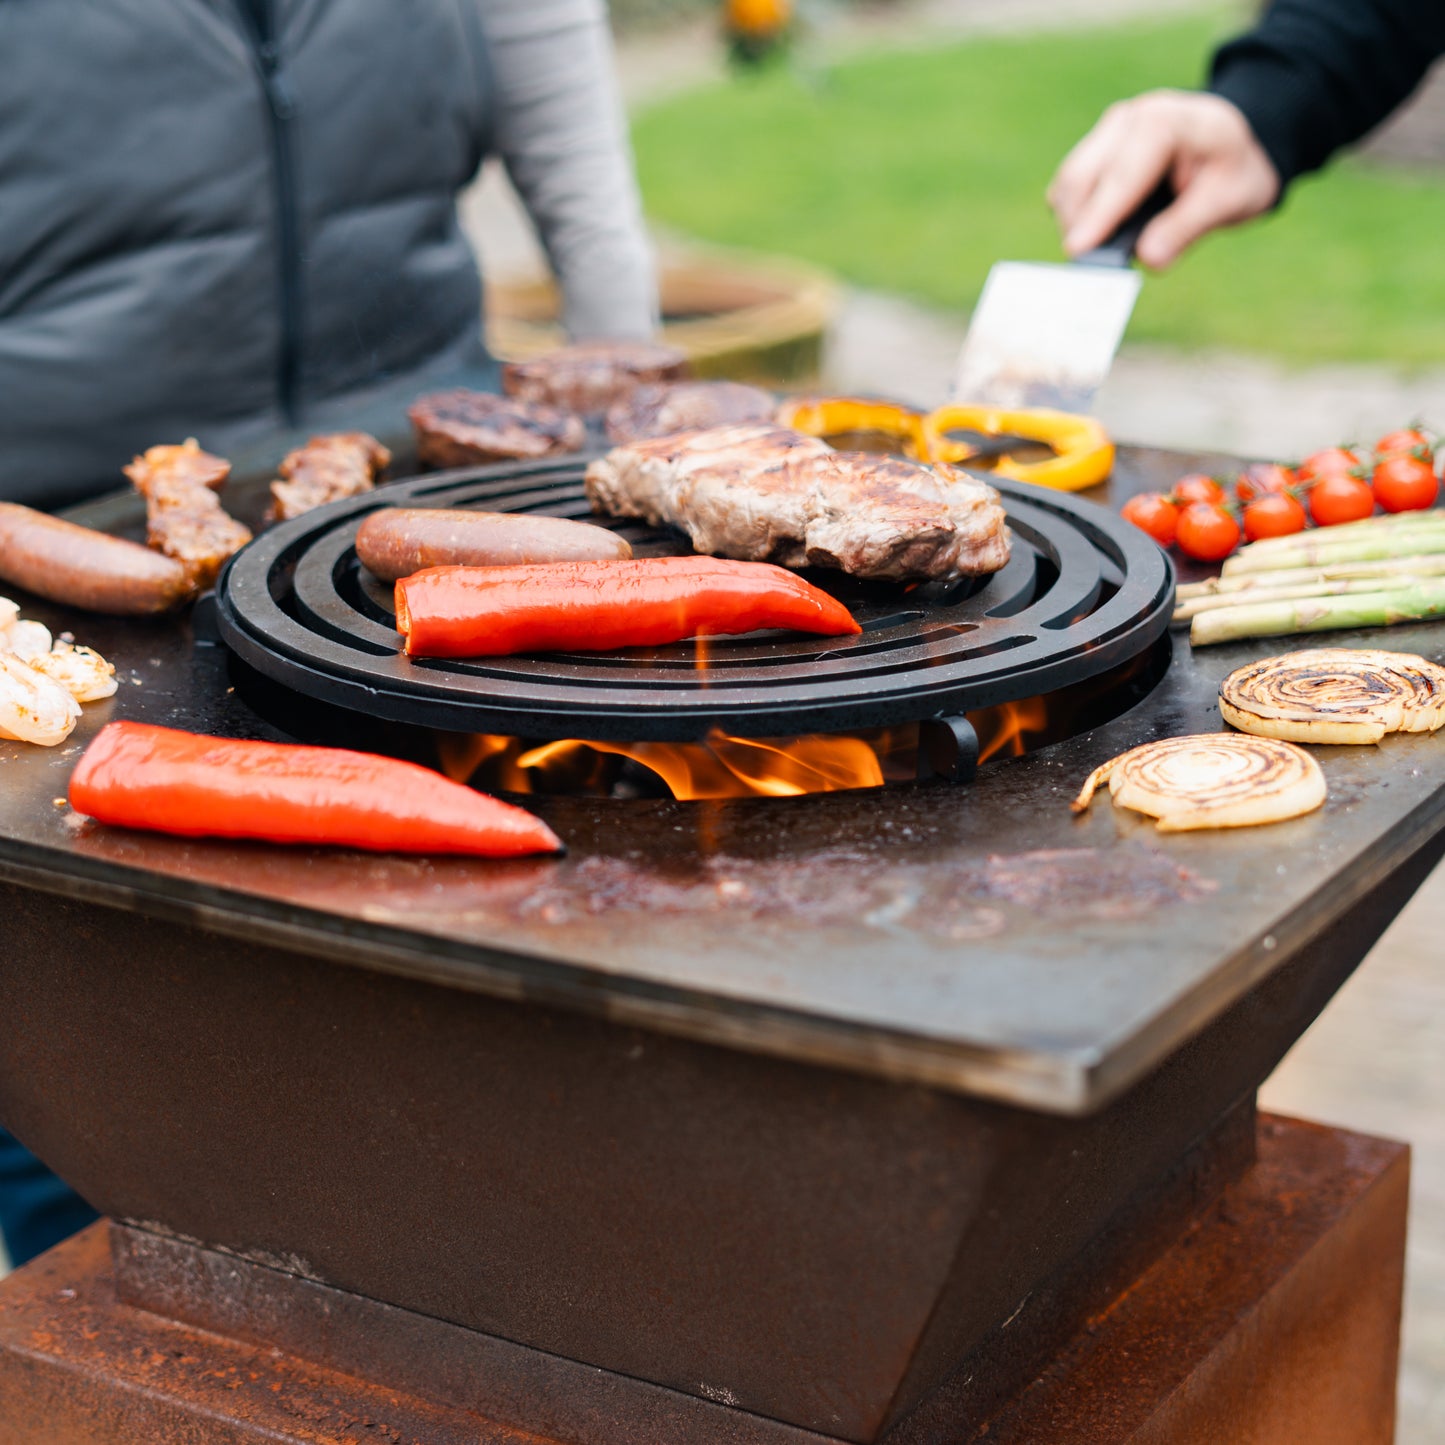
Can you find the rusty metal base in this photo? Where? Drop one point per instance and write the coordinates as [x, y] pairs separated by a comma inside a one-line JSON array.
[[1272, 1315]]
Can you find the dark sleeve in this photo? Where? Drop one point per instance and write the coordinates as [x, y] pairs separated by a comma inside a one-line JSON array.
[[1315, 75]]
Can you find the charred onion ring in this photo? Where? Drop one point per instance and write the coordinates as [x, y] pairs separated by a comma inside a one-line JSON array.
[[1221, 780], [1335, 695]]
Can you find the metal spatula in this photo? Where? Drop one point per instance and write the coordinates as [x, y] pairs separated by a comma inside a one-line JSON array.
[[1044, 335]]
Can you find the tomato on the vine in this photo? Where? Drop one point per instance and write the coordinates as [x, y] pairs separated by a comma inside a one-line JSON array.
[[1263, 479], [1339, 499], [1207, 532], [1332, 462], [1196, 487], [1412, 442], [1276, 515], [1404, 483]]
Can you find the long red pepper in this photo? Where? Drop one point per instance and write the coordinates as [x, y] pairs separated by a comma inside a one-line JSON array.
[[593, 606], [139, 776]]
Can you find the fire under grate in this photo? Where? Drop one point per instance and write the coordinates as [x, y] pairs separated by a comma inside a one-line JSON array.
[[1083, 594]]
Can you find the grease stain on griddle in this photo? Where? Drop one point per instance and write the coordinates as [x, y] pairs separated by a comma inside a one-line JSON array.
[[846, 888]]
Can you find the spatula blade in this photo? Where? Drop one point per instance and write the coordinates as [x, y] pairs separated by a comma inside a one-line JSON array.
[[1045, 335]]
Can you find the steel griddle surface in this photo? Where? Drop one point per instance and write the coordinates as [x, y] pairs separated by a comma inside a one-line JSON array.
[[979, 939], [1082, 593]]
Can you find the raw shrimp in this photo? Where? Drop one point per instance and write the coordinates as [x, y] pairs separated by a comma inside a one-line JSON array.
[[33, 709], [82, 672]]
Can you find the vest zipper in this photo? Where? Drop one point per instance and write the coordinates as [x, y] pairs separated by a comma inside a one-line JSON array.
[[260, 26]]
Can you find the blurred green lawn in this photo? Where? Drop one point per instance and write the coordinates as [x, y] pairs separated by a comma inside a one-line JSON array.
[[912, 171]]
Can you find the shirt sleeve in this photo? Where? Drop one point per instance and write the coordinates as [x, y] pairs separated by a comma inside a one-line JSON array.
[[559, 130], [1315, 75]]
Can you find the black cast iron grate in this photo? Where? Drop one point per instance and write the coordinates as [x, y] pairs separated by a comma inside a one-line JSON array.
[[1083, 593]]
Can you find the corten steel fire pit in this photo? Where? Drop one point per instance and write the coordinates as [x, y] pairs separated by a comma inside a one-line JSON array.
[[801, 1119]]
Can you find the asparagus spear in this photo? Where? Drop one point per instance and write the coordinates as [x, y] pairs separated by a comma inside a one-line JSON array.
[[1212, 602], [1388, 522], [1415, 602], [1316, 551], [1385, 571]]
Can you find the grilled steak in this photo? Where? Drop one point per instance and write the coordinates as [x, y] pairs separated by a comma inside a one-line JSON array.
[[468, 428], [184, 517], [593, 375], [661, 409], [769, 494], [326, 469]]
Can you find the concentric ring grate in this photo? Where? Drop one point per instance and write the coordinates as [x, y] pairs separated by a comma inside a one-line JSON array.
[[1082, 594]]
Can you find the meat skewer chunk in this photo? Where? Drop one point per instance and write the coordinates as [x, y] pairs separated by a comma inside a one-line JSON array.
[[327, 469], [184, 517], [764, 493]]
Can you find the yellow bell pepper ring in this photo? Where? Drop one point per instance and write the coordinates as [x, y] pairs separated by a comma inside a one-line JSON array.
[[1084, 455], [837, 416]]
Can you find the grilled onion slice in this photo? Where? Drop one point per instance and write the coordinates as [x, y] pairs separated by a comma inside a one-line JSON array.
[[1335, 695], [1220, 780]]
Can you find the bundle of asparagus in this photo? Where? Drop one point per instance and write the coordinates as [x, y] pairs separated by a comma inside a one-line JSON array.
[[1362, 574]]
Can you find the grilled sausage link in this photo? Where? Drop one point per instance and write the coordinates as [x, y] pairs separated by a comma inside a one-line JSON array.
[[79, 567], [399, 541]]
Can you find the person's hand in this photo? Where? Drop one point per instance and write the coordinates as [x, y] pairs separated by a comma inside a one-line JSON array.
[[1203, 144]]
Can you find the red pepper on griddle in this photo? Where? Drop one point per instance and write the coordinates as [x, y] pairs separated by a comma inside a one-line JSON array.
[[139, 776], [596, 606]]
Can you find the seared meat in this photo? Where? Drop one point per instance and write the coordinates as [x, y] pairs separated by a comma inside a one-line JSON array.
[[184, 517], [661, 409], [326, 469], [469, 428], [593, 375], [769, 494]]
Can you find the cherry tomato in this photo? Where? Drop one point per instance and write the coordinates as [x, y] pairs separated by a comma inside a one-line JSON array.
[[1263, 479], [1332, 462], [1404, 483], [1340, 499], [1412, 442], [1276, 515], [1196, 487], [1207, 532], [1155, 514]]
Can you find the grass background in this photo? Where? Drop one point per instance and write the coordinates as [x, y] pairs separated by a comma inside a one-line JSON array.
[[913, 170]]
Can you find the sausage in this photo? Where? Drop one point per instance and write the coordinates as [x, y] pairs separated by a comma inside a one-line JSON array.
[[80, 567], [402, 540]]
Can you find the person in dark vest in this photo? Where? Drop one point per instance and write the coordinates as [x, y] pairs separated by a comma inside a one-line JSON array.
[[232, 219], [1311, 77], [236, 220]]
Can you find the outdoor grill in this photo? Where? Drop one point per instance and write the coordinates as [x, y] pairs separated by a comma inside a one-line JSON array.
[[771, 1121]]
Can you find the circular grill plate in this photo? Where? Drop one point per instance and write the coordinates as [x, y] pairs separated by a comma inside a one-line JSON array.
[[1083, 593]]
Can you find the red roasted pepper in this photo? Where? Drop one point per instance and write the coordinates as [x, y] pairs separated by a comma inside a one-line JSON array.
[[139, 776], [596, 606]]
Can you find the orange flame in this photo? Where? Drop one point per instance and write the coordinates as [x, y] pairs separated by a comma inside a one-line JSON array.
[[731, 767], [1005, 727], [725, 766]]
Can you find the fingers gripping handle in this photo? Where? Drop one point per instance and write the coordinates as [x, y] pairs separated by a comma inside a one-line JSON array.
[[1118, 250]]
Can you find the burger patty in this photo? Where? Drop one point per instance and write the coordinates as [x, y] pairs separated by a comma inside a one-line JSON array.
[[768, 494], [469, 428], [592, 375], [662, 409]]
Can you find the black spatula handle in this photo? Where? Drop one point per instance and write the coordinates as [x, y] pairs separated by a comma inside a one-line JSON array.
[[1118, 250]]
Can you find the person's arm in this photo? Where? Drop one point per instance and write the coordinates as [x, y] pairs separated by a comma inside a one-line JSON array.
[[560, 132], [1313, 76]]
